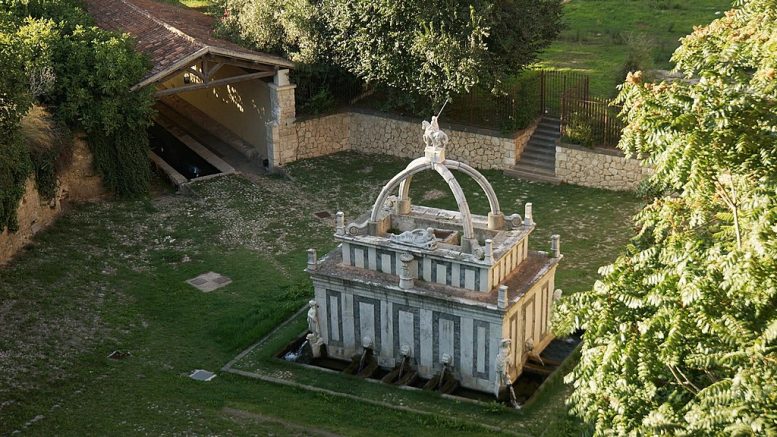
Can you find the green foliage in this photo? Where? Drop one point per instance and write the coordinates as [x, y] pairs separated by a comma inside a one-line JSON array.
[[85, 74], [525, 90], [681, 330], [322, 87], [578, 130], [640, 53], [15, 167], [434, 49], [96, 70], [50, 53]]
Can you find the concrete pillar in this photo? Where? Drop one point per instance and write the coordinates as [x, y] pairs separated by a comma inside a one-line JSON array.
[[496, 221], [404, 206], [339, 223], [501, 301], [281, 136], [528, 218], [312, 259], [489, 251], [408, 272], [555, 246]]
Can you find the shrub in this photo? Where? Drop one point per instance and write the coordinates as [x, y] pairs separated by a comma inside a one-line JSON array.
[[641, 53], [578, 130], [51, 53], [49, 144]]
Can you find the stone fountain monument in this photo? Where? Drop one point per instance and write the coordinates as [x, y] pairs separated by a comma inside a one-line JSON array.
[[453, 292]]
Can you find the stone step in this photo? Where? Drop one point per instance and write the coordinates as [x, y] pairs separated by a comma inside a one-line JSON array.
[[554, 131], [531, 174], [539, 153], [539, 145], [545, 137], [547, 165]]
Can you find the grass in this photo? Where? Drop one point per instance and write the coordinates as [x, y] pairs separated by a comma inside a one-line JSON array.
[[110, 276], [200, 5], [593, 41]]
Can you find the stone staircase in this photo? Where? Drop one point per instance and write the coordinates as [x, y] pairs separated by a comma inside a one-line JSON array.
[[538, 160]]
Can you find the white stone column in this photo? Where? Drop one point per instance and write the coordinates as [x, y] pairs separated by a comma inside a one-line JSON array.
[[408, 272], [528, 218], [501, 301], [281, 137], [489, 252], [555, 246], [312, 259], [340, 223]]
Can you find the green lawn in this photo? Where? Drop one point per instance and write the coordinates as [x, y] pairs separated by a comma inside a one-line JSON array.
[[110, 276], [201, 5], [593, 42]]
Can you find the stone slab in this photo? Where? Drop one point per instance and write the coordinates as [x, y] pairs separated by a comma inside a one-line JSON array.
[[208, 282]]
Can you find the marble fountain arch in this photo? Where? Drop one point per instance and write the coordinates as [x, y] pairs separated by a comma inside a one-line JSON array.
[[452, 295]]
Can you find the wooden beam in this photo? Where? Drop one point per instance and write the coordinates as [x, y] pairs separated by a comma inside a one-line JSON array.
[[212, 71], [192, 70], [238, 63], [213, 83]]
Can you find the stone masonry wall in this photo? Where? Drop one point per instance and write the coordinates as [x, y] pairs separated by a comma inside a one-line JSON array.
[[381, 134], [318, 136], [589, 168], [78, 182], [377, 133]]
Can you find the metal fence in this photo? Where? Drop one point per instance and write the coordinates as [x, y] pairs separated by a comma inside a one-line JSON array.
[[565, 95], [557, 85], [591, 121]]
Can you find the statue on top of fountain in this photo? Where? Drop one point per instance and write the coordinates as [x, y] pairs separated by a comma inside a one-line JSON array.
[[433, 135]]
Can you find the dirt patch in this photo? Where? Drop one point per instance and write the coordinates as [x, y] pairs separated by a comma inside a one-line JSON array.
[[433, 195], [293, 428]]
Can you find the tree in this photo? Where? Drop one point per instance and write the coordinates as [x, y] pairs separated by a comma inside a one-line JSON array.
[[681, 328], [434, 48]]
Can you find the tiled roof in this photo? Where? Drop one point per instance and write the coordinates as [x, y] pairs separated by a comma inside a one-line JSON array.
[[170, 35]]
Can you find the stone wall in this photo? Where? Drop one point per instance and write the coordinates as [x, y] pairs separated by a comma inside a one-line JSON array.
[[384, 134], [598, 168], [373, 133], [78, 182], [318, 136]]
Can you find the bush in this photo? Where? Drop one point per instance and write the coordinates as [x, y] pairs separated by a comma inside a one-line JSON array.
[[526, 100], [51, 53], [15, 168], [578, 130], [49, 144], [641, 53], [322, 88]]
